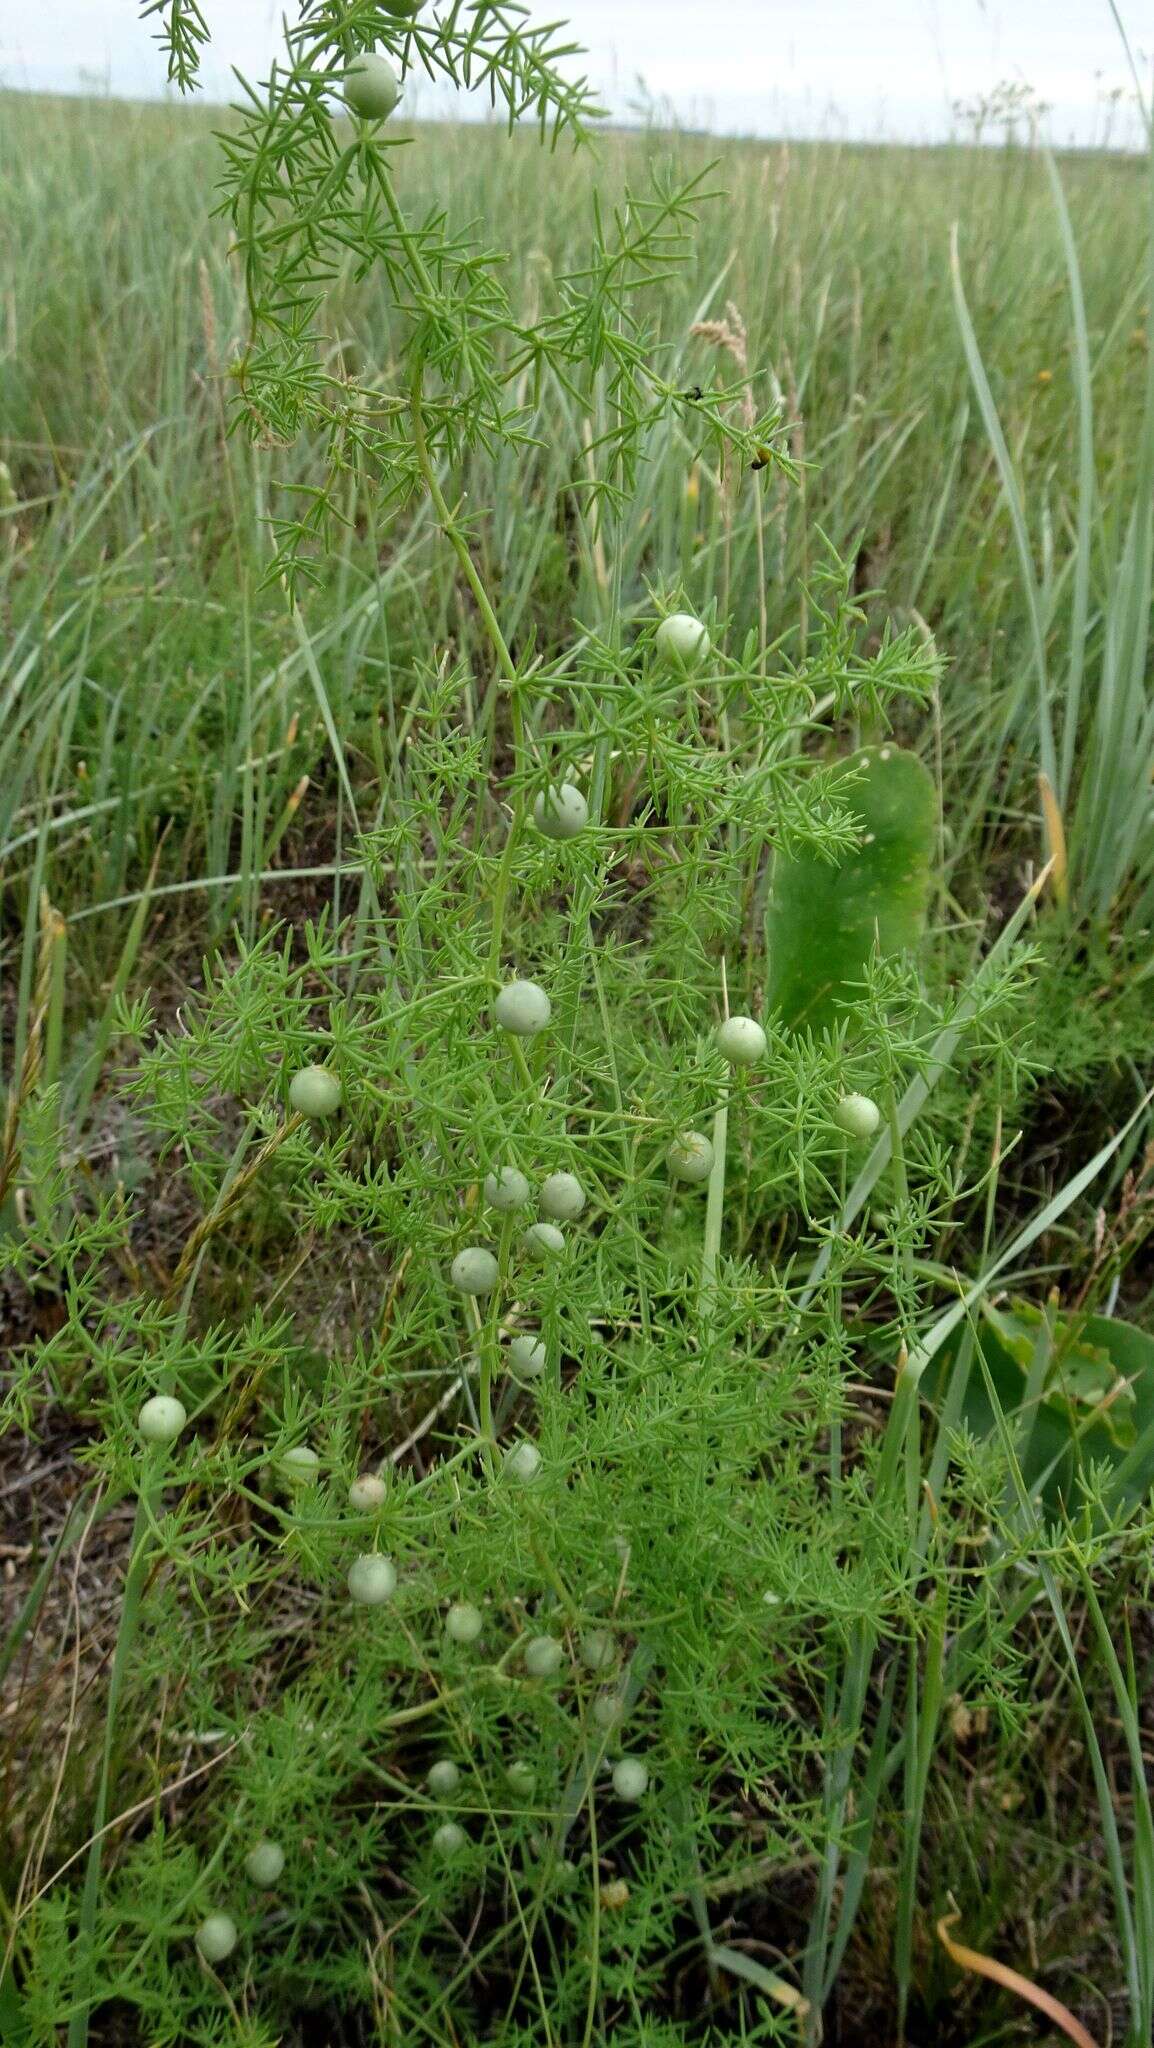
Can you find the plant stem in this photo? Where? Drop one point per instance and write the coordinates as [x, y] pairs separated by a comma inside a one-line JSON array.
[[460, 546], [225, 1204], [90, 1897], [595, 1931], [714, 1211], [454, 534], [898, 1156], [486, 1355]]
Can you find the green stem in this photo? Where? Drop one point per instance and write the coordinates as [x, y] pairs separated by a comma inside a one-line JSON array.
[[445, 517], [897, 1154], [446, 520], [595, 1931], [505, 871], [922, 1719], [231, 1194], [460, 546], [521, 1062], [486, 1401], [714, 1211], [90, 1897], [486, 1334], [455, 536], [549, 1571]]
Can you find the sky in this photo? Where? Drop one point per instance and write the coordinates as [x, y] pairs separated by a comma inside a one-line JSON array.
[[854, 68]]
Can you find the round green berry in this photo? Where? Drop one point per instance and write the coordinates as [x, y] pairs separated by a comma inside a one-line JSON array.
[[300, 1465], [522, 1009], [690, 1156], [741, 1041], [527, 1357], [371, 86], [444, 1778], [561, 812], [607, 1709], [523, 1462], [265, 1862], [858, 1116], [372, 1579], [597, 1649], [315, 1092], [544, 1656], [522, 1779], [449, 1839], [544, 1241], [630, 1778], [161, 1419], [682, 642], [216, 1937], [507, 1189], [474, 1271], [368, 1493], [464, 1622], [562, 1197]]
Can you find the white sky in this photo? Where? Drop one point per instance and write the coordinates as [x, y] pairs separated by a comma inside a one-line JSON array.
[[798, 67]]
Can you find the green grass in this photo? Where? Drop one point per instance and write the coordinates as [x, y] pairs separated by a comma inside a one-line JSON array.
[[874, 1684]]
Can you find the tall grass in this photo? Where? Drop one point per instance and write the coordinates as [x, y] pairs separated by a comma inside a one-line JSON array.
[[1086, 578]]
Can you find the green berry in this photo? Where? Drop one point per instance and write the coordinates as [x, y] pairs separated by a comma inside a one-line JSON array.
[[522, 1009], [372, 87], [741, 1041], [630, 1778], [522, 1779], [216, 1937], [507, 1189], [682, 642], [561, 812], [464, 1622], [690, 1156], [544, 1241], [858, 1116], [368, 1493], [315, 1092], [161, 1419], [264, 1863], [597, 1649], [543, 1656], [523, 1462], [527, 1358], [372, 1579], [444, 1778], [607, 1709], [474, 1271], [300, 1465], [449, 1839], [402, 10], [562, 1197]]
